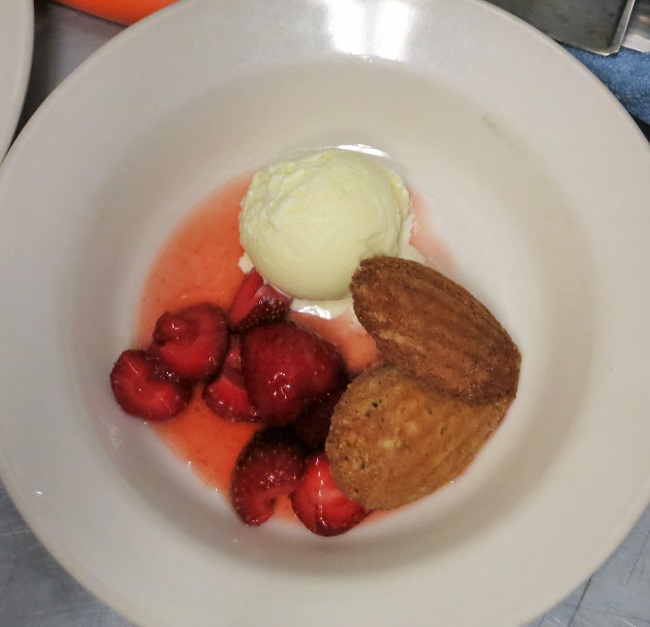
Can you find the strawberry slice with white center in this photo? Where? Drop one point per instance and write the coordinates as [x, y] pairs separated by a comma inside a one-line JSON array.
[[269, 466], [256, 302], [192, 342], [143, 387], [320, 504]]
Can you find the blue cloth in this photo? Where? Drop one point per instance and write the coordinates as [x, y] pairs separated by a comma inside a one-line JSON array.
[[626, 74]]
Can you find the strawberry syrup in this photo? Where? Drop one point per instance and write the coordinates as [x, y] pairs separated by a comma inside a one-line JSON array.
[[199, 263]]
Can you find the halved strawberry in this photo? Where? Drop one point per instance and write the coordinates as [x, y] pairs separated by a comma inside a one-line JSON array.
[[270, 465], [256, 302], [313, 424], [227, 397], [143, 387], [287, 368], [320, 504], [192, 342]]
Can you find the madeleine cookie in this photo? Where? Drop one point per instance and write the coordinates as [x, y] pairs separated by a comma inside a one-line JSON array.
[[429, 326], [393, 439]]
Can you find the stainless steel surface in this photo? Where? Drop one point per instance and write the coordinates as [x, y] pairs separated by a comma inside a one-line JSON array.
[[637, 36], [36, 592], [594, 25]]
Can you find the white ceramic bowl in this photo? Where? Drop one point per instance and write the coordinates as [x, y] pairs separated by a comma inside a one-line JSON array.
[[537, 182], [16, 42]]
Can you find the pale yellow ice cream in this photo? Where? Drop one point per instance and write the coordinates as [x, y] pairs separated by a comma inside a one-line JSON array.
[[307, 223]]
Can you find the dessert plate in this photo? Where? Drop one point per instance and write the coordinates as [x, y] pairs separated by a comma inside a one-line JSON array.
[[16, 42], [539, 201]]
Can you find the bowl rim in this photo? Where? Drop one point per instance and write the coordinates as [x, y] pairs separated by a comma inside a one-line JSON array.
[[36, 512]]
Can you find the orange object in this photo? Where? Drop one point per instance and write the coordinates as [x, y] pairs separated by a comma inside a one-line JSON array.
[[123, 11]]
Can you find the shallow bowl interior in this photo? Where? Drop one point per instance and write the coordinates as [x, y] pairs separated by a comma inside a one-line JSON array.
[[494, 207]]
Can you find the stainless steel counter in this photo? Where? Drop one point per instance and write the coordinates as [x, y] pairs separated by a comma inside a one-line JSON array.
[[36, 591]]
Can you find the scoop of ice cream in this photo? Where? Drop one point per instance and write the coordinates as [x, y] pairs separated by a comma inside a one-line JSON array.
[[307, 223]]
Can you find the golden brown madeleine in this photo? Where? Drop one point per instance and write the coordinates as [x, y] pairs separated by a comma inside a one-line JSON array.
[[394, 439], [429, 326]]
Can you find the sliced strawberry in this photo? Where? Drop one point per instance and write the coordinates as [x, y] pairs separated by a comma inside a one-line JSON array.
[[143, 387], [313, 425], [256, 302], [287, 368], [227, 397], [320, 504], [192, 342], [270, 465], [233, 358]]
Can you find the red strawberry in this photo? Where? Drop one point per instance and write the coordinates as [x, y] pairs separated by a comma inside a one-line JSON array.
[[320, 504], [192, 342], [233, 358], [143, 387], [287, 368], [270, 465], [256, 302], [313, 425], [227, 397]]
